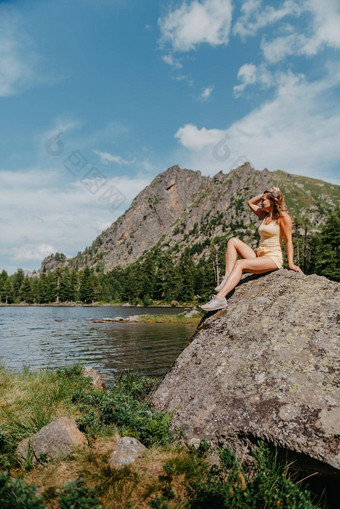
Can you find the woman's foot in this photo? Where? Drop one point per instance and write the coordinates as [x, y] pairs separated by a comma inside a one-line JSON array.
[[214, 304], [221, 285]]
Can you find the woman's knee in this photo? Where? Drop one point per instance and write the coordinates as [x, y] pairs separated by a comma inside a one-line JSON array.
[[232, 241]]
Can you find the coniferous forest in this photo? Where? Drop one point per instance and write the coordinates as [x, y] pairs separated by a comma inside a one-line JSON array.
[[158, 279]]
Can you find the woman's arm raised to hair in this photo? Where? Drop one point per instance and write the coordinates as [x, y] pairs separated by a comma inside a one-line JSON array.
[[254, 207], [286, 226]]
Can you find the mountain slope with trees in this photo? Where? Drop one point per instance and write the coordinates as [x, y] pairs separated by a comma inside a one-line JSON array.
[[182, 211]]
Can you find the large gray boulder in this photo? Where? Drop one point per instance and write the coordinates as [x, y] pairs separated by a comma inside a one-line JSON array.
[[54, 441], [265, 368]]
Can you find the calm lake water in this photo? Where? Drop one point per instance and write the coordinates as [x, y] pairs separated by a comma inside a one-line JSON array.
[[52, 336]]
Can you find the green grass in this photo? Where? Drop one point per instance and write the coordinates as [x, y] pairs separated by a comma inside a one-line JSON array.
[[168, 475]]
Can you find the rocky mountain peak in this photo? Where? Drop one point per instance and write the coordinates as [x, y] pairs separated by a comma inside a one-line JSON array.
[[181, 208]]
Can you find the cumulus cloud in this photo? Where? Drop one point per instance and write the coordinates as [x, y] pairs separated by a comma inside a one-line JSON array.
[[255, 16], [43, 213], [320, 27], [297, 131], [197, 22]]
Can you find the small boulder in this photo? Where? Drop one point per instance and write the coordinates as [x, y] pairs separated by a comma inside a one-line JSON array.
[[56, 440], [126, 451], [193, 312], [96, 380]]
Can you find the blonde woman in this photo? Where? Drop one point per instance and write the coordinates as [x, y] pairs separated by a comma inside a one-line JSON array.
[[276, 225]]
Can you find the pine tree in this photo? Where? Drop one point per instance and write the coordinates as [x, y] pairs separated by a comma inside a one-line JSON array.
[[7, 292], [147, 277], [187, 290], [86, 290], [43, 289], [326, 251], [3, 279], [25, 291], [74, 283], [18, 278]]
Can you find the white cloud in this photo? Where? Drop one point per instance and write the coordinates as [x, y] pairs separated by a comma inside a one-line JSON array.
[[207, 92], [246, 74], [326, 23], [31, 252], [250, 74], [319, 29], [170, 60], [41, 212], [197, 139], [106, 158], [255, 17], [297, 131], [279, 48], [195, 23], [18, 60]]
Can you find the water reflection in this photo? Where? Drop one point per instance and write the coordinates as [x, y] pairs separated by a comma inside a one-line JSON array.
[[52, 337]]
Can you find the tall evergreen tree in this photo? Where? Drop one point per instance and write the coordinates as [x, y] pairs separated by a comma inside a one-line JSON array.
[[187, 290], [86, 290], [25, 291], [326, 250], [43, 289], [7, 292], [18, 278]]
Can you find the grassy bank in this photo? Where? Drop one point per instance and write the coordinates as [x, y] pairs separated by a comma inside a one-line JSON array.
[[168, 475], [166, 318]]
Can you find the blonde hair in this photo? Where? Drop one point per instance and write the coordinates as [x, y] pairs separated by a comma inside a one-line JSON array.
[[278, 201]]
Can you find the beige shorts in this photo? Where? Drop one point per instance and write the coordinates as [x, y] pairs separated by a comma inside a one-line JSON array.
[[274, 255]]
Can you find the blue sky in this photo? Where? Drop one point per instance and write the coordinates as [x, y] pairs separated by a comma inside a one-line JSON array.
[[97, 97]]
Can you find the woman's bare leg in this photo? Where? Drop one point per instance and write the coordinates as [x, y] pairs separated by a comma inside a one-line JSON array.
[[254, 265], [236, 246]]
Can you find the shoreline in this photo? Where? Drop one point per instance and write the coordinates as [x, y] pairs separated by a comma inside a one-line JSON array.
[[118, 305]]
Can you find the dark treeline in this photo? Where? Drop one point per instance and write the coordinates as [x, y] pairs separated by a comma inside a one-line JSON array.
[[159, 278]]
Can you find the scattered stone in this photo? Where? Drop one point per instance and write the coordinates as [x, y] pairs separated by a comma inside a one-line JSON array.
[[194, 442], [56, 440], [193, 312], [96, 380], [267, 368], [174, 303], [213, 460], [126, 452]]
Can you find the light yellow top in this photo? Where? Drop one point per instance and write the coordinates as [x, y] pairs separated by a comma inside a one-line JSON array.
[[270, 235]]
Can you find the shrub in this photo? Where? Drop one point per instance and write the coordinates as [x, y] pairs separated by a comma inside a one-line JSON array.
[[16, 494], [76, 494]]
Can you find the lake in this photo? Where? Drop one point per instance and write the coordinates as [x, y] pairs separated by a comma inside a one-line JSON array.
[[54, 336]]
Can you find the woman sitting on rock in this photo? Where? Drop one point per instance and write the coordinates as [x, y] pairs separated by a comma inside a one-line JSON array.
[[268, 256]]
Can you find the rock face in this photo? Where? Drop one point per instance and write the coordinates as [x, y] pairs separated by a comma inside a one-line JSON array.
[[126, 452], [265, 368], [56, 440], [183, 208]]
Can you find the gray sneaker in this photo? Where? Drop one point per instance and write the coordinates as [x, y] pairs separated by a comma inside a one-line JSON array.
[[214, 304], [221, 285]]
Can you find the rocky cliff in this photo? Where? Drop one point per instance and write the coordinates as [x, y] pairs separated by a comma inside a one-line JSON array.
[[265, 368], [181, 208]]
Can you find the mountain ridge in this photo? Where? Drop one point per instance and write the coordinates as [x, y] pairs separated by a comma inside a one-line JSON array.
[[183, 207]]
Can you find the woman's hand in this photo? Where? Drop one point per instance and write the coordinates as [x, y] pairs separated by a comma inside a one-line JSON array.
[[296, 268]]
